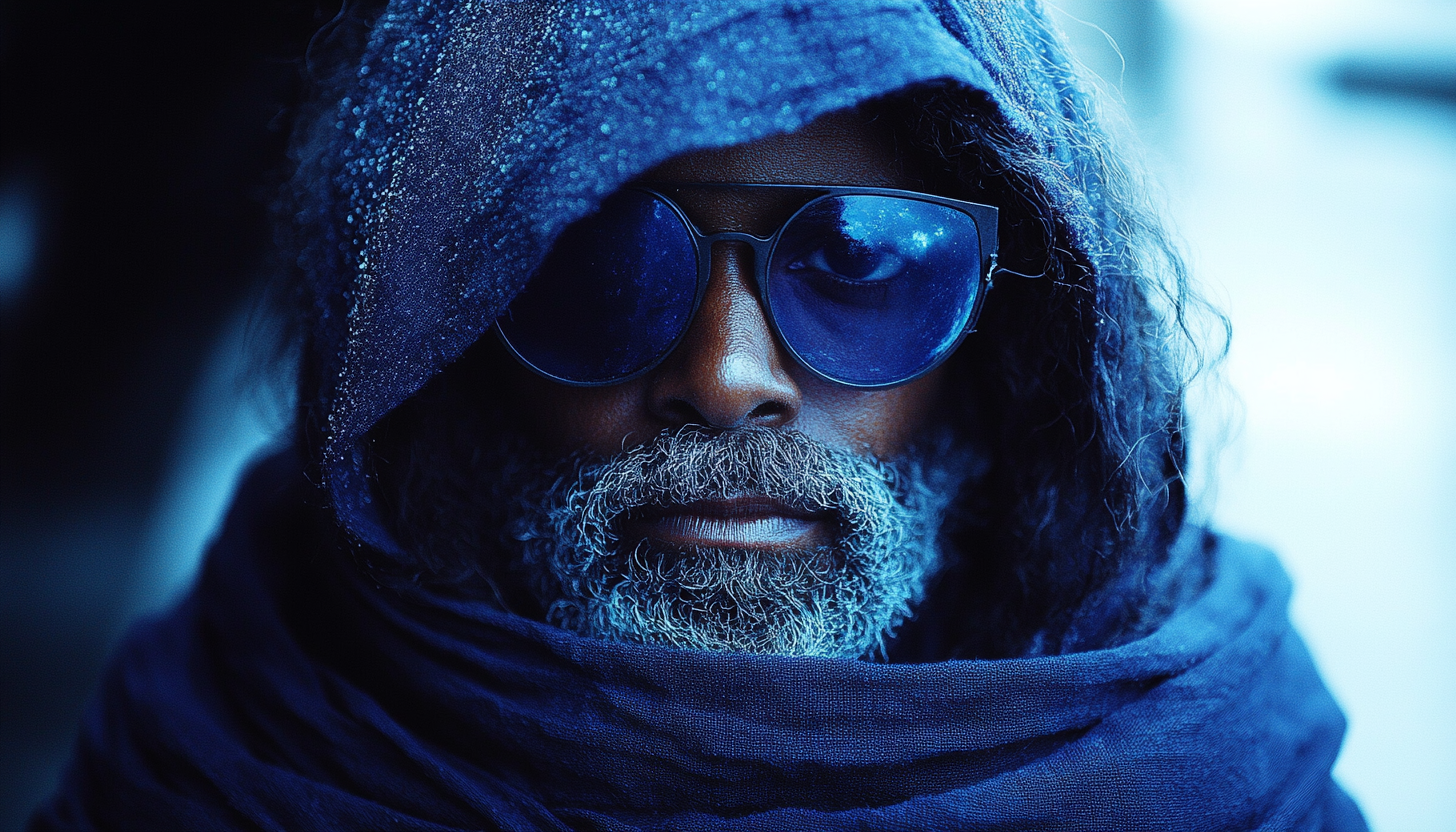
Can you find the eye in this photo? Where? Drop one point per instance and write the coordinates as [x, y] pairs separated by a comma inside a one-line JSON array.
[[851, 261]]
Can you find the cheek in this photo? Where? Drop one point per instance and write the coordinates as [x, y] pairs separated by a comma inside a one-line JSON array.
[[563, 419], [880, 422]]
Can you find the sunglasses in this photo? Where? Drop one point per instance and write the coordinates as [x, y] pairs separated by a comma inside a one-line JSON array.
[[865, 287]]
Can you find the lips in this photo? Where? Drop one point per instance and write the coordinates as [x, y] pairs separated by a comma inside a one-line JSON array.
[[751, 522]]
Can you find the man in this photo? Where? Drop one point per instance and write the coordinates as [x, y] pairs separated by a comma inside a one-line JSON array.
[[760, 416]]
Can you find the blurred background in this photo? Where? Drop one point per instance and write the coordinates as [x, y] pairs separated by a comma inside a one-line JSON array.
[[1306, 150]]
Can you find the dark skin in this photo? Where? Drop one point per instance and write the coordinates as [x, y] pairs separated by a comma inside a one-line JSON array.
[[730, 370]]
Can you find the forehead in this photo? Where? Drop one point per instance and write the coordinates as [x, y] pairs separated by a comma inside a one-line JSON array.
[[836, 149]]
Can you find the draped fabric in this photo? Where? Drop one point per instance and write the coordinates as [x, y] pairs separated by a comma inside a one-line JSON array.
[[476, 130], [288, 692]]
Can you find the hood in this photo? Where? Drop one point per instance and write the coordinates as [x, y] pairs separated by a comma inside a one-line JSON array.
[[475, 131]]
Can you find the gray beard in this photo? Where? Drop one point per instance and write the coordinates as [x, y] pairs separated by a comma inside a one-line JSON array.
[[842, 600]]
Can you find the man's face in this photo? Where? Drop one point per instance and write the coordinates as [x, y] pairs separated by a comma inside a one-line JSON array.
[[728, 499], [729, 370]]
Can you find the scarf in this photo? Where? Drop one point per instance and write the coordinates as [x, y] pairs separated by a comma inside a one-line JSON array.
[[288, 691]]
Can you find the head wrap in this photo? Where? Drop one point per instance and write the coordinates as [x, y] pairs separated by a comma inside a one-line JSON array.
[[477, 130]]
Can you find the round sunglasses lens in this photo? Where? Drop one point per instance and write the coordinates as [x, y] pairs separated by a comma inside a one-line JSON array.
[[873, 290], [611, 298]]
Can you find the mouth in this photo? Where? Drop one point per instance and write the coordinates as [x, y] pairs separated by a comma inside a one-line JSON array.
[[738, 522]]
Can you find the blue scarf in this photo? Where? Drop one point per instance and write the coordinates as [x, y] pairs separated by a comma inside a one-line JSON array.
[[290, 693]]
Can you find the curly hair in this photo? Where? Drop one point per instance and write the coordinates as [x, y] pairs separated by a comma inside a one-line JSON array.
[[1077, 376]]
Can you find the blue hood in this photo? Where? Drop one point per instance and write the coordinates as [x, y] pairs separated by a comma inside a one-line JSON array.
[[475, 131]]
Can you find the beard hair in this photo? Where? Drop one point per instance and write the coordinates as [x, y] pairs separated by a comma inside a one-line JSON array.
[[842, 600]]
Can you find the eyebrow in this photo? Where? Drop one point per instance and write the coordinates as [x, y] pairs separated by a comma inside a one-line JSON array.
[[754, 210]]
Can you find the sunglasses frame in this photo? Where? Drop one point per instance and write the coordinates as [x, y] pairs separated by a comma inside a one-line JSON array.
[[984, 216]]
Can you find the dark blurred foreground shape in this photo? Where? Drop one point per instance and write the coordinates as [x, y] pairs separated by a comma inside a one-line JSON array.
[[140, 145], [1428, 78]]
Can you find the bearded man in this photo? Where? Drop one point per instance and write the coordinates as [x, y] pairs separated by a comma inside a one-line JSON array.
[[720, 416]]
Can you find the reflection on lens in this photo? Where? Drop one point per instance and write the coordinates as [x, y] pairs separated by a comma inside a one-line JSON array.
[[873, 290], [613, 295]]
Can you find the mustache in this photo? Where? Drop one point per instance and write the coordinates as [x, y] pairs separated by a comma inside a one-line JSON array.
[[720, 472]]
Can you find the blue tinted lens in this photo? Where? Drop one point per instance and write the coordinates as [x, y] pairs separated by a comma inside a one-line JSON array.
[[873, 290], [613, 295]]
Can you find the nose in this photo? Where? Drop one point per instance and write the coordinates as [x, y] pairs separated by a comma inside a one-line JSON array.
[[729, 370]]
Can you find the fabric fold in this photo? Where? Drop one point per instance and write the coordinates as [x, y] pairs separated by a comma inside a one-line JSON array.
[[290, 692]]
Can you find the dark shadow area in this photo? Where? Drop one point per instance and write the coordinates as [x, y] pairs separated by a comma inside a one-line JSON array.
[[141, 147]]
